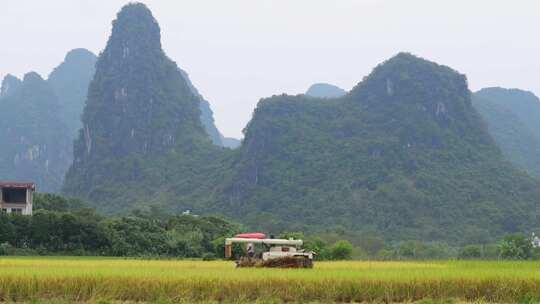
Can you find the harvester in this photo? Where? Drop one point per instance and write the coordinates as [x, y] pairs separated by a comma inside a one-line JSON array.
[[280, 253]]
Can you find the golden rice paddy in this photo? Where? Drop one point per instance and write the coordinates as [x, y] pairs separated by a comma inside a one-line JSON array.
[[30, 279]]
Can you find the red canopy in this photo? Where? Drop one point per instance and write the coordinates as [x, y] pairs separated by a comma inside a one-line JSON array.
[[256, 235]]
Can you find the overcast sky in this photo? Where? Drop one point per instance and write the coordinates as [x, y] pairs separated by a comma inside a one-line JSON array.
[[238, 51]]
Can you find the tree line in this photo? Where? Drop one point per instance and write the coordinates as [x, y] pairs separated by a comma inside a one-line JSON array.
[[61, 226], [511, 247], [66, 226]]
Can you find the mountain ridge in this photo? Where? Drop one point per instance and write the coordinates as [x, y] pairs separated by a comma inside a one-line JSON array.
[[511, 116], [403, 155], [141, 122], [207, 119], [34, 137], [407, 147], [59, 99], [70, 81], [325, 90]]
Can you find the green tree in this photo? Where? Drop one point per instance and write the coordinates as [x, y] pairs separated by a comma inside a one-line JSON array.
[[470, 252], [7, 229], [535, 254], [320, 247], [371, 243], [342, 250], [516, 247]]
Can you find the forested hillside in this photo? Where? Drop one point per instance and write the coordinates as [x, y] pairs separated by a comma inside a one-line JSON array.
[[40, 119], [142, 139], [35, 141], [70, 82], [404, 155], [513, 119]]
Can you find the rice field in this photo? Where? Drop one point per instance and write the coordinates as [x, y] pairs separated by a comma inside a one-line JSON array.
[[65, 279]]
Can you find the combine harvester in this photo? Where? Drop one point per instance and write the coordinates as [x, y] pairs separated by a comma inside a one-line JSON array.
[[280, 253]]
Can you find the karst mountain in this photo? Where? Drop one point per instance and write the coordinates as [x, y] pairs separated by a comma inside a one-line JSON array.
[[142, 137], [35, 139], [404, 154], [513, 119]]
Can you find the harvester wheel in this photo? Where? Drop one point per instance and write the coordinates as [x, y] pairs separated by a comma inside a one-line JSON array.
[[289, 262], [284, 262], [248, 262]]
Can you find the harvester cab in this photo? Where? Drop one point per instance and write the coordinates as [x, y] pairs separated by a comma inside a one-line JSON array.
[[281, 253]]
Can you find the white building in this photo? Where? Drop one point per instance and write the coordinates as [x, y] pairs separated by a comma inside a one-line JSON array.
[[535, 241], [17, 197]]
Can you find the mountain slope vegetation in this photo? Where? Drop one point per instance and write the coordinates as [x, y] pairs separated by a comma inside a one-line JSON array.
[[142, 135], [523, 103], [35, 142], [512, 117], [70, 82], [403, 155], [40, 119]]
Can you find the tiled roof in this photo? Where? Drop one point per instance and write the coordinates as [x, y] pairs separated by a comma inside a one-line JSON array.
[[7, 184]]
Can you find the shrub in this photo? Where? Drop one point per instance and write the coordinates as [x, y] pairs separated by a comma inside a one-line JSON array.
[[535, 254], [5, 248], [516, 247], [341, 250], [470, 252], [208, 256]]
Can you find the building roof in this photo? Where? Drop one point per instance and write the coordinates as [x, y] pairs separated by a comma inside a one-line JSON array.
[[7, 184]]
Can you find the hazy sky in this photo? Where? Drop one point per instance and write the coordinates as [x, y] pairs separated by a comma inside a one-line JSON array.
[[238, 51]]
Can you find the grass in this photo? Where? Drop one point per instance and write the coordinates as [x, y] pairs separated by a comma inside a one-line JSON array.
[[128, 280]]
